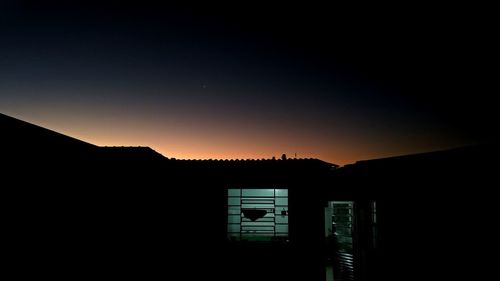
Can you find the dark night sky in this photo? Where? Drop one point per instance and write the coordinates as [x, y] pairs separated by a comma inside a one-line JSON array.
[[251, 80]]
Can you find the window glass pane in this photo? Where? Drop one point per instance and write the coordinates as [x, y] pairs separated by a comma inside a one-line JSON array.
[[282, 228], [281, 211], [233, 210], [233, 228], [258, 192], [282, 219], [264, 219], [281, 201], [251, 229], [233, 219], [258, 201], [282, 192], [259, 223], [258, 206], [233, 201], [233, 192]]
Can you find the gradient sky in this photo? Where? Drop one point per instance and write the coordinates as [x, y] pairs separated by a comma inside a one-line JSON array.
[[231, 81]]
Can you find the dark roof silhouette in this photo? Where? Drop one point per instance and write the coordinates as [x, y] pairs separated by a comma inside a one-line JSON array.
[[17, 132], [34, 141], [25, 139], [466, 156], [131, 152], [23, 144]]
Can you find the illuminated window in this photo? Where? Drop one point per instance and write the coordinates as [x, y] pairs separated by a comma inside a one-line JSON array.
[[257, 214]]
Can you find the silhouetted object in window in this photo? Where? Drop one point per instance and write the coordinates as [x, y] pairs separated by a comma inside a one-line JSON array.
[[332, 251], [253, 214]]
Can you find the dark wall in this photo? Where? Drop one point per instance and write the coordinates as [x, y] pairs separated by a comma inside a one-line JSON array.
[[130, 218], [436, 214]]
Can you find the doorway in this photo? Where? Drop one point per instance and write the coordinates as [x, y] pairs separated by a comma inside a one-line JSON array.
[[339, 230]]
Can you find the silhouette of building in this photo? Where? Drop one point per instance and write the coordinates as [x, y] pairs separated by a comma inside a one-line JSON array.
[[76, 208]]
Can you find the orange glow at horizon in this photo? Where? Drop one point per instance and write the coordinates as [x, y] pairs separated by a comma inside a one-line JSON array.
[[213, 140], [202, 83]]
